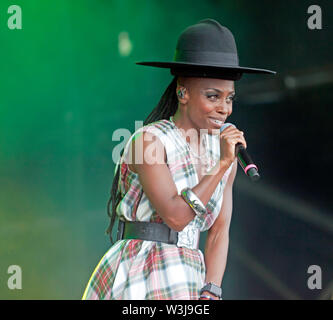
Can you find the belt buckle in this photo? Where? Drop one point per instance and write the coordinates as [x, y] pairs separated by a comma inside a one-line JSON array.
[[189, 237]]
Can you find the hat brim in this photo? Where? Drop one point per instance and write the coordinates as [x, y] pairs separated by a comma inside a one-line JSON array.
[[174, 64]]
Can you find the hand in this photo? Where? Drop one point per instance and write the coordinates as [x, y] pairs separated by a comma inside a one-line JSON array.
[[229, 137]]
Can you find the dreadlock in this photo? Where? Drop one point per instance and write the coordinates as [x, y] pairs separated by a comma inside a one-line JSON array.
[[166, 107]]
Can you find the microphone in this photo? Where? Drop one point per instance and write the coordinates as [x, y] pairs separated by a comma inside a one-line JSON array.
[[243, 158]]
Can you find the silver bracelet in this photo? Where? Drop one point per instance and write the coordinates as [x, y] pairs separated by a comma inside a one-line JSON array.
[[193, 201], [206, 296]]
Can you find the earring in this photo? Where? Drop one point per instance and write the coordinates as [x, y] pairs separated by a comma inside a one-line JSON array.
[[181, 92]]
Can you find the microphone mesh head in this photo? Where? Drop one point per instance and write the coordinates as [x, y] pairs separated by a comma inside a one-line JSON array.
[[226, 125]]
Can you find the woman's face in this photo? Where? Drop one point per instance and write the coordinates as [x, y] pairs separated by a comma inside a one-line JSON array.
[[209, 102]]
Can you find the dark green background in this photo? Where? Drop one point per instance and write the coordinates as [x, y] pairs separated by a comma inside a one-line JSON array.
[[65, 88]]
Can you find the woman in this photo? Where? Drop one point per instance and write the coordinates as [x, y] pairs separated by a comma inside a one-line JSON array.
[[174, 180]]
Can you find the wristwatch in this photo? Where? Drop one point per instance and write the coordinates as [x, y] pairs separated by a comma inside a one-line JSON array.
[[212, 288]]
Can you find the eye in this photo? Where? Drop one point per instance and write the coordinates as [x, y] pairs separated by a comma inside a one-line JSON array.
[[231, 98], [212, 97]]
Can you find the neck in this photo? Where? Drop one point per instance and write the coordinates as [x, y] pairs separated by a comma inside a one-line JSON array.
[[193, 137], [182, 122]]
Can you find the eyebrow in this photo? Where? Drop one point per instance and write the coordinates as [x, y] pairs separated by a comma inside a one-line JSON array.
[[218, 90]]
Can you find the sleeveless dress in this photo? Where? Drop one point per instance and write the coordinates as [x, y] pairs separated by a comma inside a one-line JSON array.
[[134, 269]]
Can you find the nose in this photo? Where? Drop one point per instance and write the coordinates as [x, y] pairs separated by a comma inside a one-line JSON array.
[[224, 108]]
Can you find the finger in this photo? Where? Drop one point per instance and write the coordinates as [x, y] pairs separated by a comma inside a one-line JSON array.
[[232, 132], [234, 136], [236, 139], [242, 141]]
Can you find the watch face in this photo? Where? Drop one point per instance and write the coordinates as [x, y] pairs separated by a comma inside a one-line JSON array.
[[214, 289]]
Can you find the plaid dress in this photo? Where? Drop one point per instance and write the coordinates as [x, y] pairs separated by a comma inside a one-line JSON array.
[[134, 269]]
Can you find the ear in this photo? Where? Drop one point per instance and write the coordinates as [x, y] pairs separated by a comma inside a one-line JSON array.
[[182, 94]]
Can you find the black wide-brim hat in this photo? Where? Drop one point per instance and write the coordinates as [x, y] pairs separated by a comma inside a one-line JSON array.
[[206, 49]]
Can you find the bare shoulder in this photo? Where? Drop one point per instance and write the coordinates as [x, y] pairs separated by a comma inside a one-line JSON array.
[[154, 175], [146, 149]]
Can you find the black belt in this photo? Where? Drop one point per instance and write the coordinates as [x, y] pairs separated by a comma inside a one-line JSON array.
[[146, 231]]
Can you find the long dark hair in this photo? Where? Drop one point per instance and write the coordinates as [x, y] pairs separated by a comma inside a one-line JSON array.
[[166, 107]]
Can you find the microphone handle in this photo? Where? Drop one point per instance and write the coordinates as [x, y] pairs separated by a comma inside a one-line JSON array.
[[246, 162]]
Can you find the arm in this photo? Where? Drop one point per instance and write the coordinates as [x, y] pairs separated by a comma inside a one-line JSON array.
[[158, 184], [217, 242]]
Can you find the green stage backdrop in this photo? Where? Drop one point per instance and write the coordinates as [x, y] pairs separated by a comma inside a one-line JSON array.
[[68, 80]]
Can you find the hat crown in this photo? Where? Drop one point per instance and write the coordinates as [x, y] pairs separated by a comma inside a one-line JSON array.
[[207, 35], [206, 49], [207, 41]]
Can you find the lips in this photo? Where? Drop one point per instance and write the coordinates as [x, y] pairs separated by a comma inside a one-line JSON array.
[[216, 122]]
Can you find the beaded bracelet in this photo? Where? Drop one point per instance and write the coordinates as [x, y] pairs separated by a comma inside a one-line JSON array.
[[207, 296]]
